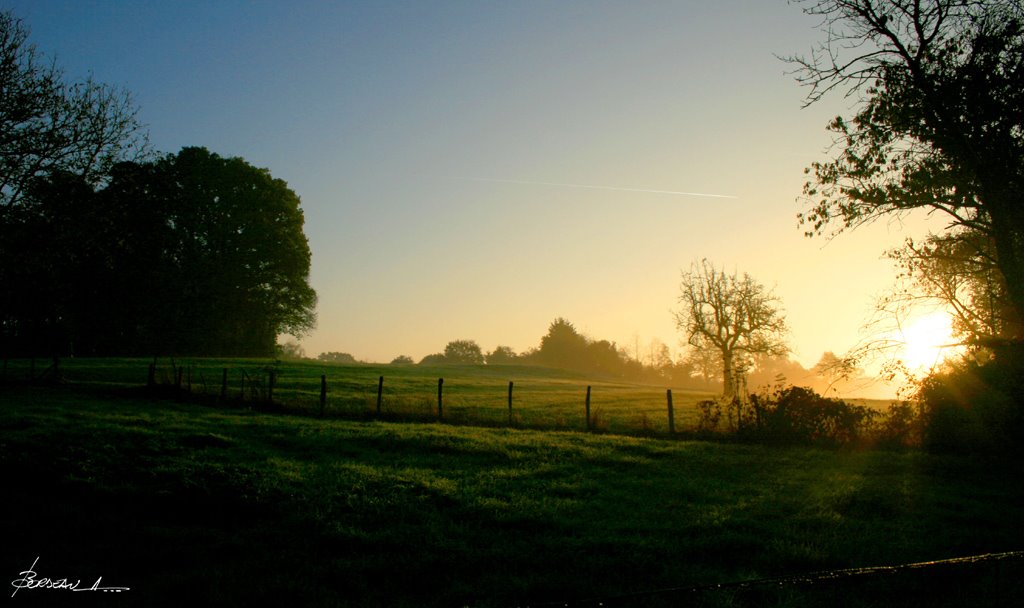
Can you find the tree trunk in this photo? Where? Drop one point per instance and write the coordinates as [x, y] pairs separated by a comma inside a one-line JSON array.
[[1009, 242], [728, 379]]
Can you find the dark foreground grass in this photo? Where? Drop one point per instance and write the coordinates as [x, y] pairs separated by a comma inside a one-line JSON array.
[[192, 505]]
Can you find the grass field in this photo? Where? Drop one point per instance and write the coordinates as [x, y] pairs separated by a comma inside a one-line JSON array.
[[187, 503], [542, 398]]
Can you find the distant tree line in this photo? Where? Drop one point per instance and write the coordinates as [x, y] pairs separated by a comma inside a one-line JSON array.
[[564, 347], [108, 249]]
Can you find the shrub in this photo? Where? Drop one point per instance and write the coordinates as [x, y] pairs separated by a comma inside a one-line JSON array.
[[709, 415], [972, 407], [796, 414], [901, 426]]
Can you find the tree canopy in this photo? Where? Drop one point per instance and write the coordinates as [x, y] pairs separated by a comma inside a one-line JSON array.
[[188, 254], [463, 352], [939, 124]]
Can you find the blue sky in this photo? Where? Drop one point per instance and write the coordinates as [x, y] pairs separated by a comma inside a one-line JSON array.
[[424, 139]]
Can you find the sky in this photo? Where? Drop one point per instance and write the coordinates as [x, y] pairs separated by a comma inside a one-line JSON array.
[[473, 170]]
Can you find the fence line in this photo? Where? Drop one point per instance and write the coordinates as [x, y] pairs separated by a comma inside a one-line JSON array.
[[614, 407], [264, 388]]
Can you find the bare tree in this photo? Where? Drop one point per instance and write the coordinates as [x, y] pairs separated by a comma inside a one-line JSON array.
[[732, 314]]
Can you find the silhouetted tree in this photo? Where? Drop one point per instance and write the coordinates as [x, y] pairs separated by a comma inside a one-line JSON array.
[[402, 360], [463, 352], [957, 271], [336, 357], [734, 315], [601, 356], [48, 125], [190, 254], [434, 359], [563, 346], [235, 258], [501, 355], [61, 132], [939, 125]]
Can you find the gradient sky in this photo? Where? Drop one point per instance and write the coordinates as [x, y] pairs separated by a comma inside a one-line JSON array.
[[427, 140]]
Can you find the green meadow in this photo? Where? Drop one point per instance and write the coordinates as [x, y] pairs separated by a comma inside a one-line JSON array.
[[185, 502], [542, 398]]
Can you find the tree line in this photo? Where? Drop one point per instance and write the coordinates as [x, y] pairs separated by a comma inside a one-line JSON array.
[[562, 347], [107, 248], [698, 368]]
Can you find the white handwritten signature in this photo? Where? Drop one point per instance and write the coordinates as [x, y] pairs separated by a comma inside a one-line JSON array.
[[30, 579]]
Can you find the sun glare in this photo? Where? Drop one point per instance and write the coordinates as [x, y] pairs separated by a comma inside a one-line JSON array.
[[927, 340]]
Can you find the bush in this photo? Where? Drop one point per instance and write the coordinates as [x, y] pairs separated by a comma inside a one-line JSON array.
[[709, 415], [796, 414], [972, 408], [900, 427]]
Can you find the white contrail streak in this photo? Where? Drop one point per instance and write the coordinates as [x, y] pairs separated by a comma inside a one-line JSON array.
[[591, 187]]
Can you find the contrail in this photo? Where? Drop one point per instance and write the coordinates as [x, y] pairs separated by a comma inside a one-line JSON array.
[[592, 187]]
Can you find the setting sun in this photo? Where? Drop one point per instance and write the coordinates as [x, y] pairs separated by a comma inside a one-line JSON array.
[[927, 340]]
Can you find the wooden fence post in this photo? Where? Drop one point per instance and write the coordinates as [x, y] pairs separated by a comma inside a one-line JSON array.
[[440, 410], [510, 403], [178, 378], [671, 415], [380, 394], [588, 408], [323, 394], [151, 376], [224, 384]]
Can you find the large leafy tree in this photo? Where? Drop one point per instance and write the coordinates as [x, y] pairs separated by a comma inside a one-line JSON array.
[[189, 254], [939, 124], [732, 315], [234, 255], [563, 346], [463, 352]]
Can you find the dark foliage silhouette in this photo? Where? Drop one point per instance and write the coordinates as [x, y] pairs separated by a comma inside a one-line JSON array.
[[190, 254]]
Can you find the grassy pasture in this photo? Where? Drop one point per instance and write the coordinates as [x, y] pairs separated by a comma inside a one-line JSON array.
[[542, 398], [192, 504]]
